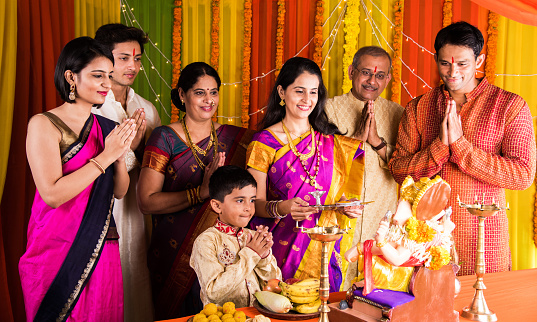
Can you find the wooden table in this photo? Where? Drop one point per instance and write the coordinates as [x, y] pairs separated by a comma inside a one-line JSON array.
[[511, 295]]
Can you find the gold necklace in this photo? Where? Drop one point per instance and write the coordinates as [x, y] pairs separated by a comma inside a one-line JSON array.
[[213, 142], [303, 157]]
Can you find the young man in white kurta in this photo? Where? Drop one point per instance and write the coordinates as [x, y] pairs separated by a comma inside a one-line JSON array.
[[126, 44], [377, 126]]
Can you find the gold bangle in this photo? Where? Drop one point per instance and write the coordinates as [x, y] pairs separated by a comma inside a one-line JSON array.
[[100, 167], [198, 194], [382, 243]]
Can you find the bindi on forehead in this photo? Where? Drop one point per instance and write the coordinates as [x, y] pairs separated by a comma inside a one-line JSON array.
[[452, 60], [133, 52], [375, 69]]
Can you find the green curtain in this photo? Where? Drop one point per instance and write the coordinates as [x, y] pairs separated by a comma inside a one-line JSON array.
[[156, 19]]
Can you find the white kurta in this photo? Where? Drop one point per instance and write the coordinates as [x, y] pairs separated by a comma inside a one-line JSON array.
[[228, 270], [345, 112], [138, 305]]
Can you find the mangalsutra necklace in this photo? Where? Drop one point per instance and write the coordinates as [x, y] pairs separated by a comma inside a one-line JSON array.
[[304, 157], [213, 141]]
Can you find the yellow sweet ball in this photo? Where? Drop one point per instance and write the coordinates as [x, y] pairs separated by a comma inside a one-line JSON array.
[[210, 309], [239, 314], [202, 320], [229, 307], [198, 317], [228, 320], [240, 319], [219, 313], [213, 317], [227, 316], [219, 308]]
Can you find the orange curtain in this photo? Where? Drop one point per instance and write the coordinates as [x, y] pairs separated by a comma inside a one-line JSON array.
[[523, 11], [47, 26], [421, 13], [299, 29]]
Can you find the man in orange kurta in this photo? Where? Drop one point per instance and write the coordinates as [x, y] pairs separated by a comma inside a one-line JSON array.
[[476, 136]]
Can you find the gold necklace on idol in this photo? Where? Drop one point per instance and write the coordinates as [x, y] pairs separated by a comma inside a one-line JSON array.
[[304, 157], [213, 141]]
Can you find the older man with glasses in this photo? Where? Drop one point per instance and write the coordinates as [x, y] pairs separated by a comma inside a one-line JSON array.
[[363, 114]]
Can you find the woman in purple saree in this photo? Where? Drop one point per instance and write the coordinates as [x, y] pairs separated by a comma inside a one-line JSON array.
[[299, 152], [71, 268], [178, 161]]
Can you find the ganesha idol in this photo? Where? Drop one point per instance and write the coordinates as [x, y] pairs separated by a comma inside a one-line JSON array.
[[406, 270]]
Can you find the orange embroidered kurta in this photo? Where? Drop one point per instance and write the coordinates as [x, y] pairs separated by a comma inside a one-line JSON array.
[[496, 152]]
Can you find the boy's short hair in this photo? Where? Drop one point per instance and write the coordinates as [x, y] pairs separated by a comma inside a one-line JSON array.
[[116, 33], [229, 177]]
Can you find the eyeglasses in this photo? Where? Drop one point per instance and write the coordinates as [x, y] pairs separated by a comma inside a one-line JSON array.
[[368, 74]]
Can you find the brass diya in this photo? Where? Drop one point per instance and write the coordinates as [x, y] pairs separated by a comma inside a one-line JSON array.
[[478, 309]]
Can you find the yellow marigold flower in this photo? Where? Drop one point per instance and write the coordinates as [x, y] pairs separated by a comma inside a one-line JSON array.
[[439, 257]]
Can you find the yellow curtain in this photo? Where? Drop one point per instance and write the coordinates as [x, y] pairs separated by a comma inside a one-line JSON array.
[[515, 55], [91, 14], [8, 57], [230, 64]]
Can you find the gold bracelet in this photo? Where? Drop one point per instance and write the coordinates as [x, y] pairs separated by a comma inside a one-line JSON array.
[[198, 194], [189, 197], [382, 243], [100, 167]]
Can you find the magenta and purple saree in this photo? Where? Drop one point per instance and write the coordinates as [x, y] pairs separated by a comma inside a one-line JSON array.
[[340, 171], [69, 270]]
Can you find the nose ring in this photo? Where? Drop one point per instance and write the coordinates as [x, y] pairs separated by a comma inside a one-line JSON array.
[[212, 102]]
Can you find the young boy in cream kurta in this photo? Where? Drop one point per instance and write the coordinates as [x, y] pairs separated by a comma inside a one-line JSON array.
[[230, 260]]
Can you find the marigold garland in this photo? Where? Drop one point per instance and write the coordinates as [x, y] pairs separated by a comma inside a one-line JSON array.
[[398, 9], [419, 231], [215, 31], [246, 55], [492, 47], [351, 28], [447, 12], [318, 35], [439, 257], [279, 36], [176, 52]]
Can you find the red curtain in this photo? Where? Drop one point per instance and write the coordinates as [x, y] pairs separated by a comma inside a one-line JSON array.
[[523, 11], [299, 29], [44, 27], [421, 13]]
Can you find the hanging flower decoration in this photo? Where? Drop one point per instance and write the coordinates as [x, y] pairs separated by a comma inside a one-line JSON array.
[[492, 47], [439, 257], [397, 49], [351, 28], [215, 31], [246, 55], [279, 35], [176, 52], [447, 13], [318, 35]]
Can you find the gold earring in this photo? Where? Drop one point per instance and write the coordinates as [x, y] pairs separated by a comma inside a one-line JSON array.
[[183, 102], [282, 102], [72, 92]]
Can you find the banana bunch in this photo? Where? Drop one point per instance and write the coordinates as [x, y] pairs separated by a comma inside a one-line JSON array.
[[304, 295]]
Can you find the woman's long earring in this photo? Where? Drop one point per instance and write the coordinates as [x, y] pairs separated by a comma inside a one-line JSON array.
[[282, 102], [72, 92]]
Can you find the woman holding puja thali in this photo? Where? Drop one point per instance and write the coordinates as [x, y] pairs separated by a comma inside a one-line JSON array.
[[298, 152]]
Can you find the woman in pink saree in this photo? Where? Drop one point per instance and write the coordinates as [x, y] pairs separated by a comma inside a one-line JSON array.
[[71, 268], [298, 152]]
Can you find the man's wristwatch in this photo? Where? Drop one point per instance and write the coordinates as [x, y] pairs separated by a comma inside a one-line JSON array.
[[380, 146]]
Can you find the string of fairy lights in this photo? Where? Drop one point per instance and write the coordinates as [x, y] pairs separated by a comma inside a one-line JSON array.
[[130, 19]]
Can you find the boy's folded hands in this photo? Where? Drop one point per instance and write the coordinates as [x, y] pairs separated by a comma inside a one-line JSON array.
[[261, 241]]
